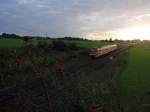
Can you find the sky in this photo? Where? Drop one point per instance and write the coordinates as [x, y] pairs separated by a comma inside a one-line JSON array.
[[92, 19]]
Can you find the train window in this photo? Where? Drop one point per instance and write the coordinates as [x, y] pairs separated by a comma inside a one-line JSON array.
[[93, 50]]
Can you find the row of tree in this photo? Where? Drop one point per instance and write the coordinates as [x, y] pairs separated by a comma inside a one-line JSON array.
[[6, 35], [15, 36], [72, 38]]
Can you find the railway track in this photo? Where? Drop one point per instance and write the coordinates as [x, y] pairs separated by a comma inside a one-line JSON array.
[[89, 65]]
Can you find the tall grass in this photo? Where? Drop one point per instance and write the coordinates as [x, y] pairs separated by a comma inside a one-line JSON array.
[[135, 79]]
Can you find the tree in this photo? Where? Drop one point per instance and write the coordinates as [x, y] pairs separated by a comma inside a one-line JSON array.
[[110, 40]]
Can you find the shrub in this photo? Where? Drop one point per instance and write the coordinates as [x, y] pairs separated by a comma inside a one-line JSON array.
[[60, 45], [73, 46], [27, 39], [42, 44]]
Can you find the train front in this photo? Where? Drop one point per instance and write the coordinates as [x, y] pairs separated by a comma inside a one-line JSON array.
[[93, 53]]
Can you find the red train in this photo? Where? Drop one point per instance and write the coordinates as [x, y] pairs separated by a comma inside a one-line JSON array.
[[97, 52]]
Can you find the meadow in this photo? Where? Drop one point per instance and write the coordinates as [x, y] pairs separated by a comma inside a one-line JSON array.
[[134, 81], [34, 64], [9, 43], [13, 43], [117, 82]]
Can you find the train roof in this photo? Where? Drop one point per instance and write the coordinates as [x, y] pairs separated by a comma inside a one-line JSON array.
[[107, 46]]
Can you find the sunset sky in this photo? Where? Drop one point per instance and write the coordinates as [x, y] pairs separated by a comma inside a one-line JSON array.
[[92, 19]]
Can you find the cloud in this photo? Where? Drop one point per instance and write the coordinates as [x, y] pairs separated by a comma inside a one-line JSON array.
[[101, 35], [71, 17], [24, 1]]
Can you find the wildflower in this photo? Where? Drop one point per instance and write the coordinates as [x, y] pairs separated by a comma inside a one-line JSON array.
[[59, 70], [95, 108], [35, 71], [19, 61], [27, 38], [50, 46]]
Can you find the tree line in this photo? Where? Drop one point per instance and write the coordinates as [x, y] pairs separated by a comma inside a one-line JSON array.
[[15, 36]]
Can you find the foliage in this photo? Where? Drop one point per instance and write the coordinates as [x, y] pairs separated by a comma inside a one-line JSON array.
[[62, 46], [27, 38], [13, 36], [72, 38], [76, 90], [59, 45], [42, 44]]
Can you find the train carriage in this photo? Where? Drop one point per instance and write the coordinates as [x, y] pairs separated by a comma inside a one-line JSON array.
[[97, 52]]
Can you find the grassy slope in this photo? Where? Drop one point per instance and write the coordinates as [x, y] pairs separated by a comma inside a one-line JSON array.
[[135, 79]]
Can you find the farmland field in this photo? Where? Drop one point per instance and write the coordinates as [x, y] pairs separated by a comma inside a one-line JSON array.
[[88, 44], [7, 43], [14, 43], [134, 82]]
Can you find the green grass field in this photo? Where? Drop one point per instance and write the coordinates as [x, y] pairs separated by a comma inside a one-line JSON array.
[[15, 43], [9, 43], [134, 82], [130, 69], [12, 43], [87, 44]]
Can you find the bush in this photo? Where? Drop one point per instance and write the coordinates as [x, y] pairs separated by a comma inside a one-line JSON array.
[[27, 39], [42, 44], [62, 46], [73, 46]]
